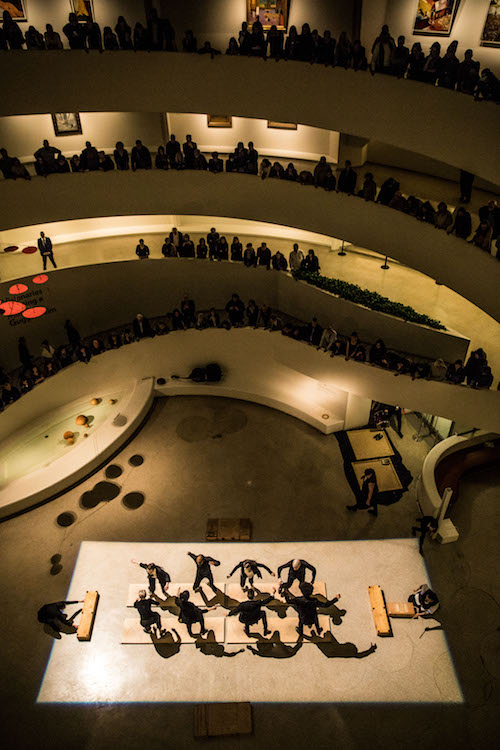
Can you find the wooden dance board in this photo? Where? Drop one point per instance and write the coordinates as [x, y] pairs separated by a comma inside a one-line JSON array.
[[387, 477], [133, 632], [265, 588], [196, 598], [365, 445], [286, 627]]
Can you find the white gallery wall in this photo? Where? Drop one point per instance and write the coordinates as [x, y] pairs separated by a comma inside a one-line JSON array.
[[55, 12], [22, 135], [467, 29], [304, 143]]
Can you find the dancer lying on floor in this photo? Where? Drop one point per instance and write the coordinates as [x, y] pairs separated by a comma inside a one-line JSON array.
[[251, 612], [203, 570], [249, 569], [155, 573], [307, 607], [190, 613]]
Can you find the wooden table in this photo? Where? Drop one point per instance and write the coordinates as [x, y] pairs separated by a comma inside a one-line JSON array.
[[387, 478], [364, 444]]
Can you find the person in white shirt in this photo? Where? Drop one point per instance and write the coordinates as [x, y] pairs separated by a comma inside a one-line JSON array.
[[295, 258], [328, 339]]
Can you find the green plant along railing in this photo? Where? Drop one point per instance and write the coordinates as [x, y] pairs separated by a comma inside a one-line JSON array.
[[372, 300]]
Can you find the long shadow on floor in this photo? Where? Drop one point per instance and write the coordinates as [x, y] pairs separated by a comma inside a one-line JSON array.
[[332, 649], [273, 647], [168, 646], [210, 647]]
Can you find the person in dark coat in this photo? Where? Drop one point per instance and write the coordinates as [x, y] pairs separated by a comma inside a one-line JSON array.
[[250, 612], [307, 607], [74, 337], [148, 618], [248, 570], [426, 525], [172, 148], [215, 164], [90, 157], [313, 332], [367, 499], [124, 34], [12, 32], [53, 615], [155, 574], [347, 179], [235, 309], [264, 256], [141, 157], [141, 327], [296, 572], [24, 355], [76, 33], [190, 613], [204, 565], [121, 156], [45, 248], [310, 264]]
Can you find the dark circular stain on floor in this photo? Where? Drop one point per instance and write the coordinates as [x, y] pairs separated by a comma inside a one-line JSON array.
[[133, 500], [136, 460], [55, 570], [113, 471], [194, 429], [66, 519], [55, 559], [229, 420], [161, 381], [103, 492]]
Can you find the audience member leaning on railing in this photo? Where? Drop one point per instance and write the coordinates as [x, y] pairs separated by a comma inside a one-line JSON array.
[[34, 370], [386, 55], [49, 160]]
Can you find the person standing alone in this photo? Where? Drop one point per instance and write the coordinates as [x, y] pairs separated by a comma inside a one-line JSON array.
[[45, 247]]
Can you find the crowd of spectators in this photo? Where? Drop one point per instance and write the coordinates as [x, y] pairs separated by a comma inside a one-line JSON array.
[[49, 160], [387, 55], [236, 314]]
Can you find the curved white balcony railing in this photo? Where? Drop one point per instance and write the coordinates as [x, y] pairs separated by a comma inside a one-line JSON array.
[[463, 267], [438, 123]]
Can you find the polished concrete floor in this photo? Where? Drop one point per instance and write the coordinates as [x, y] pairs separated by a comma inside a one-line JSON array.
[[289, 480]]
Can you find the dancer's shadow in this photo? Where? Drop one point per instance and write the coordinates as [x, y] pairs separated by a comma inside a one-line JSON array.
[[332, 649], [210, 647], [219, 597], [332, 611], [168, 604], [274, 648], [167, 646], [278, 606]]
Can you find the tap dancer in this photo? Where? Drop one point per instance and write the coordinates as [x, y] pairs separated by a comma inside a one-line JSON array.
[[203, 570], [307, 607], [155, 573], [249, 569], [297, 572], [251, 612], [190, 613]]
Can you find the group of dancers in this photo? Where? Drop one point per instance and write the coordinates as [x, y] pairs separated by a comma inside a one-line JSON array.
[[250, 612]]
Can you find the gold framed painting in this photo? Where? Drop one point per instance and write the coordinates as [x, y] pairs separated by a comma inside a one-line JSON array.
[[219, 121], [84, 10], [16, 9], [269, 12], [281, 125], [491, 31]]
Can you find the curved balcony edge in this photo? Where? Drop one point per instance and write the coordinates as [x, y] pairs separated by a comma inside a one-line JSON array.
[[438, 123], [463, 267]]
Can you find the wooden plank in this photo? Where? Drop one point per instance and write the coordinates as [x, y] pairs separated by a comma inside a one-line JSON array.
[[173, 587], [222, 719], [365, 445], [133, 632], [285, 626], [229, 529], [400, 609], [379, 612], [84, 632]]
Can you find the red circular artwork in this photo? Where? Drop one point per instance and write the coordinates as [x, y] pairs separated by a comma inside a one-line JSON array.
[[10, 249], [11, 307], [18, 289], [40, 279], [34, 312], [29, 250]]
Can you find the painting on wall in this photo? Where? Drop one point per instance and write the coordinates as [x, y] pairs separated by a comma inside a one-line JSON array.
[[67, 123], [491, 32], [16, 9], [281, 125], [219, 121], [83, 9], [269, 12], [435, 17]]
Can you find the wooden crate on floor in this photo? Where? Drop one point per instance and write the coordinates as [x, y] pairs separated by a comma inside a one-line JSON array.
[[219, 719], [229, 530]]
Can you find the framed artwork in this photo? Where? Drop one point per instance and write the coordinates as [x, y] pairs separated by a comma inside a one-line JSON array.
[[219, 121], [66, 123], [435, 17], [269, 12], [281, 125], [84, 10], [16, 9], [491, 32]]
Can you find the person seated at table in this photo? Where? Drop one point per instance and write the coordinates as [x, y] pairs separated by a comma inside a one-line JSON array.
[[425, 601]]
